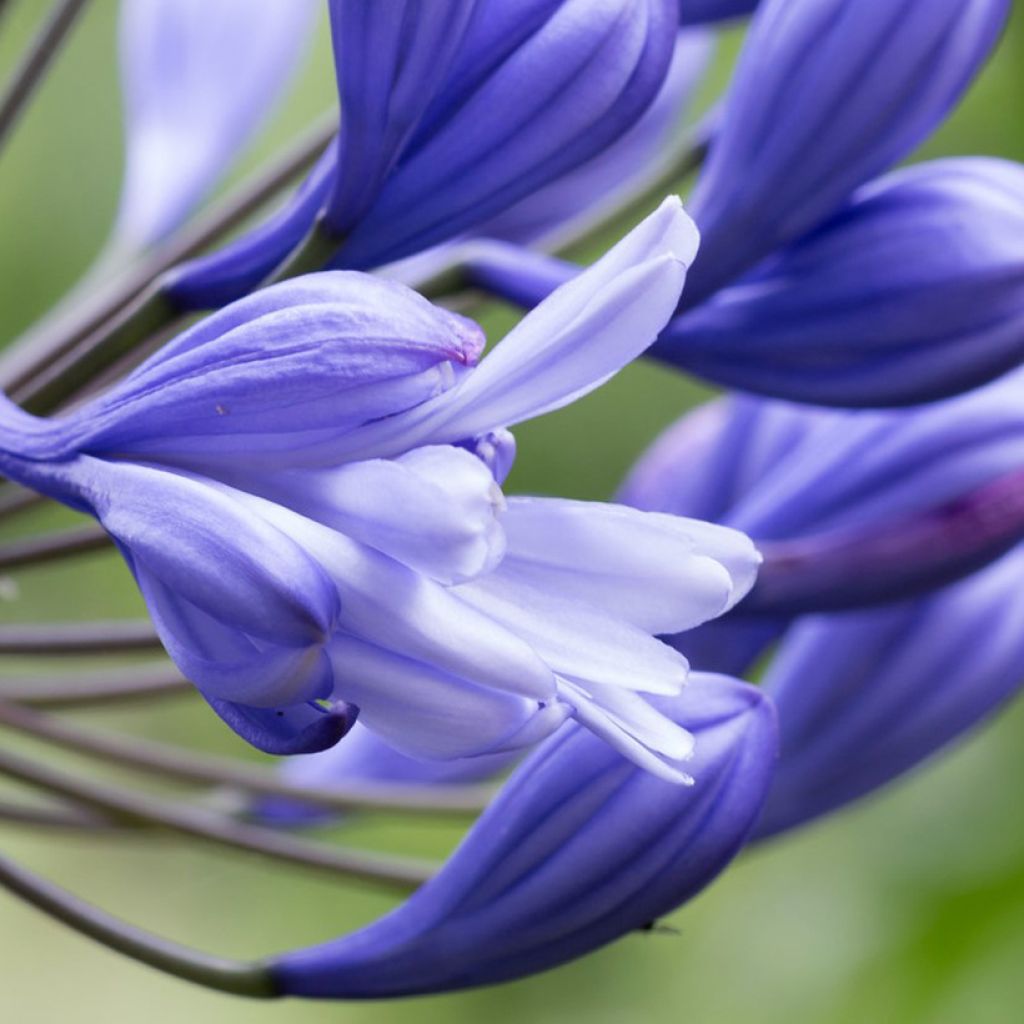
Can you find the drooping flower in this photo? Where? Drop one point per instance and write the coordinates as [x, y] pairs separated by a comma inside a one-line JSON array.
[[420, 157], [870, 689], [304, 486], [579, 849], [815, 283], [199, 79], [826, 95], [865, 696]]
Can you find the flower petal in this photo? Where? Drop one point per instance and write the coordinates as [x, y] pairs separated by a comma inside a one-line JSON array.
[[580, 848]]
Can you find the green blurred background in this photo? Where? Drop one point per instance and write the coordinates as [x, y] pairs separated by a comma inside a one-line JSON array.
[[909, 907]]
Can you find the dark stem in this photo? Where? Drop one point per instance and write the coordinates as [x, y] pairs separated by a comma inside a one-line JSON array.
[[83, 329], [72, 638], [15, 499], [70, 818], [204, 823], [88, 689], [235, 977], [17, 554], [190, 766], [36, 61]]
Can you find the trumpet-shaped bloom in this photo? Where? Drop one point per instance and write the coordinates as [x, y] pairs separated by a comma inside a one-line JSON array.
[[850, 508], [827, 94], [579, 849], [867, 693], [914, 291], [199, 79], [865, 696], [466, 108], [305, 486]]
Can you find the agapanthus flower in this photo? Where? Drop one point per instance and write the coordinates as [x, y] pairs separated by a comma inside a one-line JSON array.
[[865, 696], [306, 488], [816, 282], [420, 158], [871, 689], [198, 78], [579, 848]]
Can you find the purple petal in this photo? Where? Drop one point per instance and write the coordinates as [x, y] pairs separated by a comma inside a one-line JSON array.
[[864, 697], [913, 292], [199, 80], [580, 848], [827, 94]]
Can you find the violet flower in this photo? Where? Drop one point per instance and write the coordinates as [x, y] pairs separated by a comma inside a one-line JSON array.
[[304, 486], [484, 103], [199, 79], [579, 849], [814, 282], [868, 692]]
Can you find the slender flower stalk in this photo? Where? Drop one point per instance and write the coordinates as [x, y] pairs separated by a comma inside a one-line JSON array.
[[233, 977], [212, 826], [35, 63]]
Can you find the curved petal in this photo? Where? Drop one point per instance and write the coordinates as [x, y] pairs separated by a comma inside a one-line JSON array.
[[580, 848], [827, 94], [866, 696], [660, 573], [199, 79], [913, 292]]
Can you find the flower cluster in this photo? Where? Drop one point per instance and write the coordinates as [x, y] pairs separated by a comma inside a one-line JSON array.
[[308, 482]]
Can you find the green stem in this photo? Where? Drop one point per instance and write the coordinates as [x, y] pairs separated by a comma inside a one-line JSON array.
[[190, 766], [240, 978], [90, 689], [311, 254], [401, 873], [29, 551], [117, 636], [35, 63]]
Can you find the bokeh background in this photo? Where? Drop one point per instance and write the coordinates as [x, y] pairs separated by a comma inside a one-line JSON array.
[[908, 907]]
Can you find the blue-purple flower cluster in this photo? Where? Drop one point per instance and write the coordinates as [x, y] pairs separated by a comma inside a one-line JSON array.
[[307, 483]]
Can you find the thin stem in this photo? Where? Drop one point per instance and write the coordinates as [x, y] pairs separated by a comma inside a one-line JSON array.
[[69, 818], [90, 689], [73, 638], [83, 328], [81, 540], [240, 978], [36, 61], [392, 872], [63, 375], [315, 249], [15, 499], [190, 766]]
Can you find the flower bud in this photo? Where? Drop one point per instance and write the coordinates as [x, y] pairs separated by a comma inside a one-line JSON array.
[[865, 696], [914, 291], [580, 848], [827, 94]]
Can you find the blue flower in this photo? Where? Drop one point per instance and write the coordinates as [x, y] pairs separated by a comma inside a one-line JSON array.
[[304, 487], [199, 79], [827, 94], [912, 292], [815, 281], [579, 849], [882, 508], [865, 696], [454, 110]]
